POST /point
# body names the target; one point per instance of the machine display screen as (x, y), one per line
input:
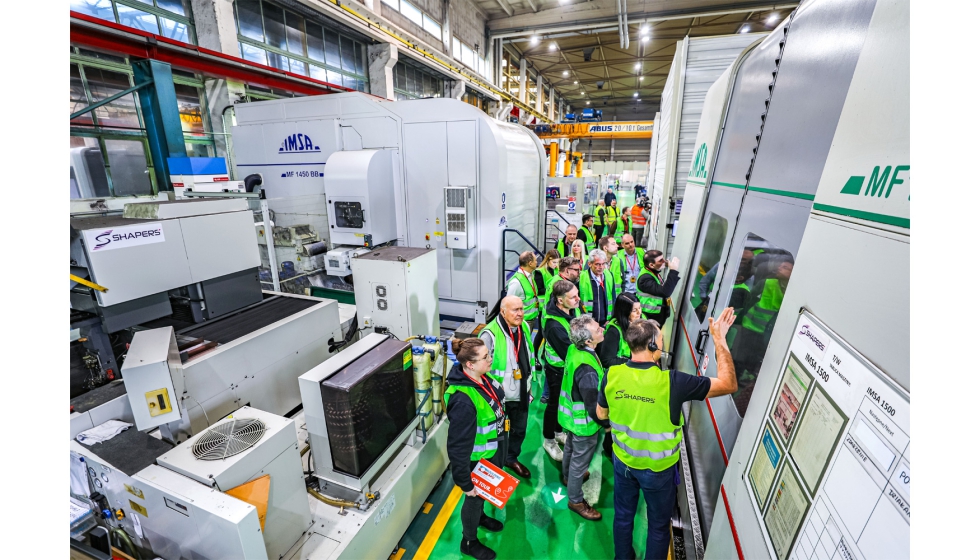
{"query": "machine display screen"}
(367, 404)
(349, 214)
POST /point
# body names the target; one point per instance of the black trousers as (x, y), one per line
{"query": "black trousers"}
(518, 429)
(550, 424)
(473, 506)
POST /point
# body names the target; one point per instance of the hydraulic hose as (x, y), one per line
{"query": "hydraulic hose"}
(332, 501)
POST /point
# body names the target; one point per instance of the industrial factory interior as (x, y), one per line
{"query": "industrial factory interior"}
(516, 279)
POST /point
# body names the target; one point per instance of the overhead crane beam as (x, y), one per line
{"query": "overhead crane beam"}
(607, 130)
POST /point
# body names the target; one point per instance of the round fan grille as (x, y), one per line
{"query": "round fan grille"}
(230, 438)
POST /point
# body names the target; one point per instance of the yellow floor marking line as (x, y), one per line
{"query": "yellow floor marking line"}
(425, 549)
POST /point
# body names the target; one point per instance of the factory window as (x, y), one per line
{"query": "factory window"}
(282, 39)
(431, 26)
(170, 18)
(756, 294)
(413, 82)
(411, 12)
(708, 266)
(110, 155)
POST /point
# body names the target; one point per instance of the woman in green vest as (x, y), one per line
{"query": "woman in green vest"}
(474, 407)
(614, 350)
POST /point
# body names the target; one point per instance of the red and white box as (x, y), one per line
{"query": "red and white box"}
(492, 483)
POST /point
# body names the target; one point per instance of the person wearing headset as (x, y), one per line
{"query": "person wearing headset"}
(643, 406)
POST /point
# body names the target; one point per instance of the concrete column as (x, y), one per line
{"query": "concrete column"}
(522, 82)
(498, 49)
(217, 30)
(539, 98)
(456, 89)
(381, 64)
(503, 114)
(214, 21)
(551, 104)
(561, 109)
(447, 28)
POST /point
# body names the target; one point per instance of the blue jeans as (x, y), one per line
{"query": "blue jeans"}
(659, 491)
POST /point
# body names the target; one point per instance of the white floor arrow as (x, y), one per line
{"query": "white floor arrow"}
(558, 496)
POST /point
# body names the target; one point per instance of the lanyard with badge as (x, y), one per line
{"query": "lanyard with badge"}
(482, 384)
(632, 266)
(517, 351)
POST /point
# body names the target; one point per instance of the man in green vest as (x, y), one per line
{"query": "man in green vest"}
(508, 338)
(585, 232)
(627, 265)
(652, 290)
(569, 268)
(643, 406)
(600, 217)
(613, 227)
(562, 308)
(564, 245)
(577, 411)
(597, 288)
(522, 286)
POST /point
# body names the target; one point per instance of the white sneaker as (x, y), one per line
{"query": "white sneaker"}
(555, 452)
(561, 438)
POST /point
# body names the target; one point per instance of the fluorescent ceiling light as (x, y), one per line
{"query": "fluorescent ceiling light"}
(534, 40)
(636, 94)
(744, 29)
(773, 18)
(565, 73)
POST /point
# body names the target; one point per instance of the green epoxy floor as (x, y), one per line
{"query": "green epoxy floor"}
(534, 526)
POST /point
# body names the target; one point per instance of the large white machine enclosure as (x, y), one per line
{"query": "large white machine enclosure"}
(436, 143)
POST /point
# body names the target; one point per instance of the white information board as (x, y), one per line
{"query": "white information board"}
(831, 466)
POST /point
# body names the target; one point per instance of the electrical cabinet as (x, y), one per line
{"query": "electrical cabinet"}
(396, 287)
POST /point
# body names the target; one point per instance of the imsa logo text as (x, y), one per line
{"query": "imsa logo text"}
(298, 143)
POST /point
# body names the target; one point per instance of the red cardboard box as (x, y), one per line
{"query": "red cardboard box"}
(492, 483)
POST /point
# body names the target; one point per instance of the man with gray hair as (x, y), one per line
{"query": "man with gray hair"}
(597, 288)
(577, 411)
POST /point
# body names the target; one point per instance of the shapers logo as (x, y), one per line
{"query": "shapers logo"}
(126, 236)
(103, 239)
(807, 334)
(621, 394)
(298, 143)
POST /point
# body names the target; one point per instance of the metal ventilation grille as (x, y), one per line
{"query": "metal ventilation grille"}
(230, 438)
(455, 198)
(456, 222)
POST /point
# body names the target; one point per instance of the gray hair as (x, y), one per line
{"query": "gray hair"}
(597, 253)
(579, 333)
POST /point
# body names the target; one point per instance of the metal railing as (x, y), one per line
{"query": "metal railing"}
(506, 273)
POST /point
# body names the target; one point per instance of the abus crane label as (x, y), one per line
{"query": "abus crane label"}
(101, 240)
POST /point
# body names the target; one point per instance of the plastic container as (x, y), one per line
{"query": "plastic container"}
(422, 372)
(433, 349)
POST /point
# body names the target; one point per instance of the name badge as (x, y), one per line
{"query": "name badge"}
(517, 374)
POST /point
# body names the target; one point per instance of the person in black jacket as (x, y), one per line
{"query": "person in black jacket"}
(613, 350)
(467, 390)
(564, 305)
(647, 284)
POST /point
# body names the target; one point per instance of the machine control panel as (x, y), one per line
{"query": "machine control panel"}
(158, 402)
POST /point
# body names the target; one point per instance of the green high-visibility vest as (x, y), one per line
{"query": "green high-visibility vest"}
(585, 291)
(549, 285)
(619, 268)
(639, 414)
(531, 300)
(651, 304)
(624, 349)
(561, 247)
(485, 443)
(611, 215)
(551, 356)
(589, 239)
(758, 317)
(545, 278)
(572, 414)
(499, 364)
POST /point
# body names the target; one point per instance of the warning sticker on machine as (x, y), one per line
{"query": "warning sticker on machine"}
(123, 237)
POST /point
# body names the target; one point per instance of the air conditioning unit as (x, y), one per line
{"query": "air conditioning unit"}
(460, 218)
